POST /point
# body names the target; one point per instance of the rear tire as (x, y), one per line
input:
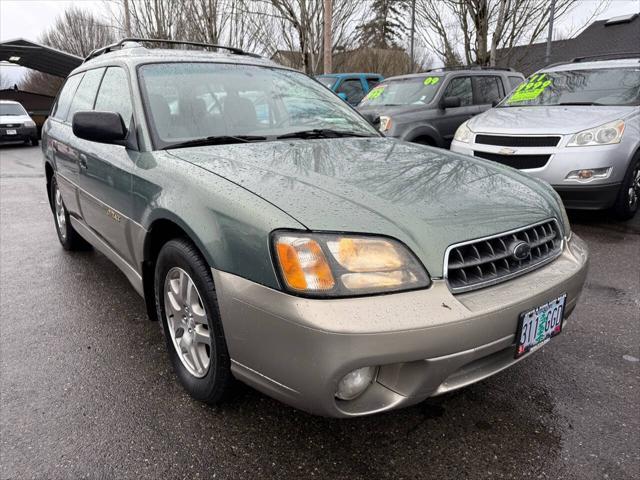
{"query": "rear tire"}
(187, 305)
(628, 199)
(69, 238)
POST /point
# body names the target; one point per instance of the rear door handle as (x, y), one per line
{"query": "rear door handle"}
(83, 160)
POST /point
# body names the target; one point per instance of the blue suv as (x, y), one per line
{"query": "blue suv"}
(351, 87)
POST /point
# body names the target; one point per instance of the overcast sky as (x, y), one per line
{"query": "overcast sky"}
(29, 18)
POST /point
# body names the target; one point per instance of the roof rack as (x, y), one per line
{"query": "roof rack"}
(469, 67)
(612, 56)
(120, 44)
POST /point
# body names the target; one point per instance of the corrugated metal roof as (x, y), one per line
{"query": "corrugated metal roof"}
(38, 57)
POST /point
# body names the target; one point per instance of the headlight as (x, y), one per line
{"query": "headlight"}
(606, 134)
(463, 133)
(29, 123)
(334, 265)
(385, 123)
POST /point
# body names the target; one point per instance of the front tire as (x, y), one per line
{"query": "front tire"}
(69, 238)
(186, 302)
(628, 199)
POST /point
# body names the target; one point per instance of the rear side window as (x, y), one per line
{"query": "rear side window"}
(86, 93)
(373, 81)
(487, 89)
(352, 88)
(114, 95)
(66, 94)
(514, 82)
(460, 87)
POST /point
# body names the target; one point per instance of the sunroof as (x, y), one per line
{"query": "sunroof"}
(621, 19)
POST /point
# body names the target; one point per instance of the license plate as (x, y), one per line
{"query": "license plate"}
(537, 326)
(12, 132)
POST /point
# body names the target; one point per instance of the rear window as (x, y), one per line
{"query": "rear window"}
(328, 82)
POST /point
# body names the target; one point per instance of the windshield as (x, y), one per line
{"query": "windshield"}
(12, 109)
(188, 101)
(328, 82)
(403, 91)
(606, 86)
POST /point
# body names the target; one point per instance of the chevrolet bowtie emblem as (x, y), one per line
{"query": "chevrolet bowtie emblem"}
(507, 151)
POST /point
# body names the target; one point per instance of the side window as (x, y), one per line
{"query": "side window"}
(66, 94)
(373, 81)
(352, 88)
(86, 93)
(114, 95)
(514, 82)
(487, 89)
(460, 87)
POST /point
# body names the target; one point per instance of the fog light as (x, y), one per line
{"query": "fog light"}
(354, 383)
(589, 174)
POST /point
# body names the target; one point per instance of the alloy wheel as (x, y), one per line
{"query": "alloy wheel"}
(187, 321)
(634, 189)
(61, 219)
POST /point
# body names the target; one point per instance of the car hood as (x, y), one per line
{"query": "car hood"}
(14, 118)
(560, 120)
(428, 198)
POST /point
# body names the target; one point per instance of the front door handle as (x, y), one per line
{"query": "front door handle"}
(82, 160)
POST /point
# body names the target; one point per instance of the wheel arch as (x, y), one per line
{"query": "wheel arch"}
(424, 132)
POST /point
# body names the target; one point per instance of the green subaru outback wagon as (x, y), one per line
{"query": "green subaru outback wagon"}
(282, 241)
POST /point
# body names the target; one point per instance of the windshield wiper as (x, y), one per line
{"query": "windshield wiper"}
(322, 133)
(216, 140)
(578, 103)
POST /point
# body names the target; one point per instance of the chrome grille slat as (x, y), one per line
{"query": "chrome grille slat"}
(487, 261)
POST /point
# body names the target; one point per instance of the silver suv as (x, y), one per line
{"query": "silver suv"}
(575, 126)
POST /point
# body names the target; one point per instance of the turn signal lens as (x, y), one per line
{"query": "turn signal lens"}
(324, 264)
(303, 264)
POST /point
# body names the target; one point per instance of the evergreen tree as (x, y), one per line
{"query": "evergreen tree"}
(386, 28)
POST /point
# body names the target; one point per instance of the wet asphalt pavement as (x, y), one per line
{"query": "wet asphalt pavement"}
(87, 390)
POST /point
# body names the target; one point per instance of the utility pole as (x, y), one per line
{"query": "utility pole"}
(127, 19)
(413, 35)
(552, 11)
(327, 37)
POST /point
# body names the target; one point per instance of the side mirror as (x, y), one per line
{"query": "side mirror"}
(451, 102)
(343, 96)
(103, 127)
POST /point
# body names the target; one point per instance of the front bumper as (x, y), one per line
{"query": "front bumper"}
(425, 342)
(592, 194)
(22, 134)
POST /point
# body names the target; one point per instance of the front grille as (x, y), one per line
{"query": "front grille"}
(504, 141)
(10, 125)
(487, 261)
(516, 161)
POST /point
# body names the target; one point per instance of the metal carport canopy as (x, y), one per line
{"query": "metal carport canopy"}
(38, 57)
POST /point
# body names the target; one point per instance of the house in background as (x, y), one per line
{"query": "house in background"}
(613, 36)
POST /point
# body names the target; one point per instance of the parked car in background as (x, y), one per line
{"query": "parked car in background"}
(15, 124)
(304, 254)
(428, 107)
(351, 87)
(574, 125)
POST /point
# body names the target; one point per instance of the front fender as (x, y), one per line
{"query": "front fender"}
(229, 224)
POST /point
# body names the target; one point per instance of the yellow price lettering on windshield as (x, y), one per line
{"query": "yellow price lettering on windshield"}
(375, 93)
(431, 80)
(530, 89)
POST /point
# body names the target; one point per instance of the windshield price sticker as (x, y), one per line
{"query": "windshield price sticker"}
(431, 80)
(531, 89)
(375, 93)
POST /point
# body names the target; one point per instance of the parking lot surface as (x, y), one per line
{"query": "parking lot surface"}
(87, 390)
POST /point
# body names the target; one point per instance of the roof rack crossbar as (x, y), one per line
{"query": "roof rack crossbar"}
(612, 55)
(120, 44)
(469, 67)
